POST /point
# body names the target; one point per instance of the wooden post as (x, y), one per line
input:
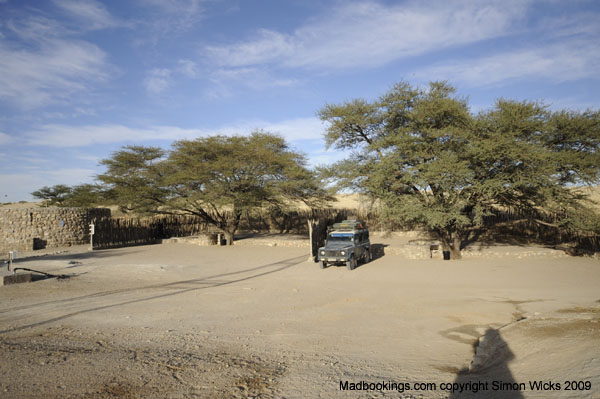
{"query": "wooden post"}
(92, 231)
(11, 255)
(310, 238)
(314, 232)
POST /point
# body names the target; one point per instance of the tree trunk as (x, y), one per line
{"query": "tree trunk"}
(445, 244)
(229, 235)
(451, 242)
(455, 249)
(312, 224)
(231, 227)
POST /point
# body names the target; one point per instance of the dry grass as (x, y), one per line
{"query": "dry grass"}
(20, 205)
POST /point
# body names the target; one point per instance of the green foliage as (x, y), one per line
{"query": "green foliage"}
(435, 164)
(353, 123)
(53, 196)
(217, 178)
(133, 178)
(84, 195)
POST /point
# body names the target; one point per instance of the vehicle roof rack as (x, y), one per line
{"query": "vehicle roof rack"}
(349, 225)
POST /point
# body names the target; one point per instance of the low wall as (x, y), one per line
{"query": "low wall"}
(200, 239)
(31, 229)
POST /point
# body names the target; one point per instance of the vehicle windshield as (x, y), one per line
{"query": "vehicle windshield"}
(340, 238)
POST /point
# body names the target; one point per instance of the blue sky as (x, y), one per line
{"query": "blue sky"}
(81, 78)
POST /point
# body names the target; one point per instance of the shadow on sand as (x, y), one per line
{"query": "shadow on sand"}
(489, 375)
(89, 302)
(378, 251)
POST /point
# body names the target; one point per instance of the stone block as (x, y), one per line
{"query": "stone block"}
(7, 278)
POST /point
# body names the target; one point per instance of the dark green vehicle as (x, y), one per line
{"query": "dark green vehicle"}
(347, 243)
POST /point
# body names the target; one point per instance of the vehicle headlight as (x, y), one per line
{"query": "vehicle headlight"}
(343, 253)
(322, 252)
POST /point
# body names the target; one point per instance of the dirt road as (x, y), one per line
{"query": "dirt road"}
(183, 321)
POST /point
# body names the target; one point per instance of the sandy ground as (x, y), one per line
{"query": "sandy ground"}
(184, 321)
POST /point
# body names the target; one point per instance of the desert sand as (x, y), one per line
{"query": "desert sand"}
(252, 321)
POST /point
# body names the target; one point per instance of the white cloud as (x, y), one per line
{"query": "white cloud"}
(158, 80)
(63, 136)
(572, 24)
(557, 62)
(36, 28)
(253, 78)
(570, 102)
(370, 34)
(173, 16)
(298, 129)
(19, 186)
(47, 68)
(293, 130)
(33, 78)
(4, 138)
(187, 68)
(70, 176)
(35, 171)
(181, 7)
(92, 14)
(267, 47)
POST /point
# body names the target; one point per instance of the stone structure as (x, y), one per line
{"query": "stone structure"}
(200, 239)
(31, 229)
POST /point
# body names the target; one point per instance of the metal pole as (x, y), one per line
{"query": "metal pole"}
(10, 259)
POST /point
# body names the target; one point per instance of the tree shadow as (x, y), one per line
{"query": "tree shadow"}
(97, 253)
(489, 375)
(489, 238)
(178, 287)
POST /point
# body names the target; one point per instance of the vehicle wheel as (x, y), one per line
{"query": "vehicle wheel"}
(322, 264)
(351, 264)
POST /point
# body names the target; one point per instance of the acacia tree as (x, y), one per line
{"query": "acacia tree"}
(216, 178)
(433, 163)
(83, 195)
(55, 195)
(133, 179)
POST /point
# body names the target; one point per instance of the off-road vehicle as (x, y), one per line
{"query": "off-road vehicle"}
(347, 243)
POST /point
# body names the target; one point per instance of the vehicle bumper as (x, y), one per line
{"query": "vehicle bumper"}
(333, 259)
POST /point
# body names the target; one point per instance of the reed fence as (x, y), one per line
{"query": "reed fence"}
(502, 225)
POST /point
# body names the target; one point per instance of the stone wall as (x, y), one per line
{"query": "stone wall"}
(32, 229)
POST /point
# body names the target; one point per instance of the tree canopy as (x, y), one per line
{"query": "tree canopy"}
(434, 163)
(83, 195)
(217, 178)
